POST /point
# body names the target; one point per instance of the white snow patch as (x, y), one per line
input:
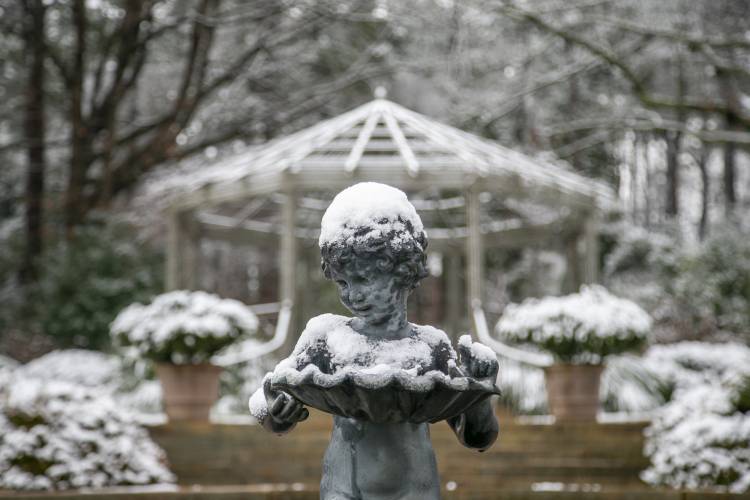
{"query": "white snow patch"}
(369, 210)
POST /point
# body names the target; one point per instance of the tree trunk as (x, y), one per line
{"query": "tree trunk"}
(673, 174)
(705, 190)
(730, 174)
(34, 131)
(78, 158)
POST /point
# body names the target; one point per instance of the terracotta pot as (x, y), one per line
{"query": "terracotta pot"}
(573, 391)
(189, 391)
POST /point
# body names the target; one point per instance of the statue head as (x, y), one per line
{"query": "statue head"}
(373, 246)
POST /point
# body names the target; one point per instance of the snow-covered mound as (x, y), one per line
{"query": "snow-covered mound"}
(371, 210)
(77, 366)
(182, 327)
(582, 327)
(702, 437)
(55, 435)
(700, 440)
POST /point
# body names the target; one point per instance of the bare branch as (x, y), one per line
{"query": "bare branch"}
(614, 60)
(646, 125)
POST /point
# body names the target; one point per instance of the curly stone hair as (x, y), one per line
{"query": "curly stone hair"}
(405, 257)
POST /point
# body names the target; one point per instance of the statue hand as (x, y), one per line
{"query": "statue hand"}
(283, 408)
(480, 368)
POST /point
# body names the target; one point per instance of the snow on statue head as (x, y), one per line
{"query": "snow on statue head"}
(373, 227)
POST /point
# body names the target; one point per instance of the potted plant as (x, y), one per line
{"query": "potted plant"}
(579, 331)
(180, 331)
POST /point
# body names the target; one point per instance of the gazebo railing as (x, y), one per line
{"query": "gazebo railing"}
(251, 349)
(539, 360)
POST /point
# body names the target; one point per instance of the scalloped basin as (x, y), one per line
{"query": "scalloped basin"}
(400, 397)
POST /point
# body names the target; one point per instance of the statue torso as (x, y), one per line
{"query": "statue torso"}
(379, 461)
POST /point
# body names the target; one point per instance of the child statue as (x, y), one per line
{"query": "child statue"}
(381, 377)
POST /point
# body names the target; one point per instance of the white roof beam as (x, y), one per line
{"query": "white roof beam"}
(359, 147)
(412, 165)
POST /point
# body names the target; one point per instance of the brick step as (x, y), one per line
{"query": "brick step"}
(309, 492)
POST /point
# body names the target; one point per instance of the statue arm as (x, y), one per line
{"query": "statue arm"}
(477, 427)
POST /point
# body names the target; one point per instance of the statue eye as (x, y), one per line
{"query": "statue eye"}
(341, 283)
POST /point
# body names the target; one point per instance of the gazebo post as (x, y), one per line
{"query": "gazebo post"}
(591, 249)
(453, 292)
(183, 251)
(572, 265)
(474, 251)
(288, 258)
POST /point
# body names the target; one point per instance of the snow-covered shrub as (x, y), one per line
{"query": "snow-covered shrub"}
(580, 328)
(702, 437)
(78, 366)
(700, 440)
(182, 327)
(55, 435)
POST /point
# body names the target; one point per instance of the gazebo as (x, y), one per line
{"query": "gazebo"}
(473, 194)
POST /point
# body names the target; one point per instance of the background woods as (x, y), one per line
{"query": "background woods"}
(97, 95)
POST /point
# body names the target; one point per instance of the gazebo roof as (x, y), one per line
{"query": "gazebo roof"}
(386, 142)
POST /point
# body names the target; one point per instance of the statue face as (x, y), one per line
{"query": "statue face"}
(370, 294)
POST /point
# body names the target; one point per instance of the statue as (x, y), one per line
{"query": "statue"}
(383, 378)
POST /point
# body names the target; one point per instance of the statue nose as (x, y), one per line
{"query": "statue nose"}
(357, 296)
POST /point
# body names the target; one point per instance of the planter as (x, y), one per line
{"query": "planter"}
(573, 391)
(189, 391)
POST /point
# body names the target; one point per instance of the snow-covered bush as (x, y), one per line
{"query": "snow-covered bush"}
(580, 328)
(182, 327)
(700, 440)
(96, 370)
(77, 366)
(55, 435)
(702, 437)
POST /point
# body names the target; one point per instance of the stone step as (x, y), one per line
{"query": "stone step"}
(309, 492)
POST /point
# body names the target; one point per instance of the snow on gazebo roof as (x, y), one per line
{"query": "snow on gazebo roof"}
(386, 142)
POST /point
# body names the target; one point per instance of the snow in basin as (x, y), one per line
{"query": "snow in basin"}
(416, 362)
(381, 208)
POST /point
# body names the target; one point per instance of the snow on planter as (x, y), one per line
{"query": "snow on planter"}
(55, 435)
(581, 328)
(182, 327)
